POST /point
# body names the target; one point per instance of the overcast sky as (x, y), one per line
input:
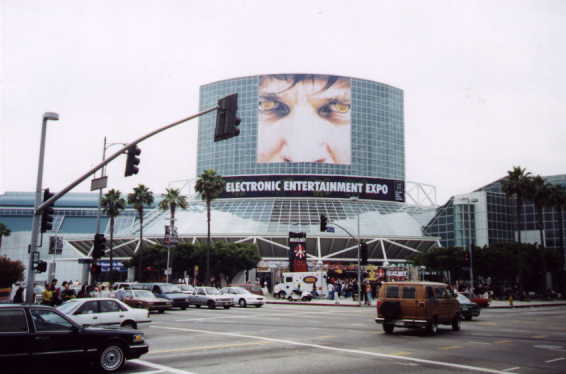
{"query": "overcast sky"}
(484, 81)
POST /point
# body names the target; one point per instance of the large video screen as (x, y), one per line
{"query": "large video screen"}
(304, 118)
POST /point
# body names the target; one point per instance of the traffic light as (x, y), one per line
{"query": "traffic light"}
(47, 213)
(99, 246)
(363, 253)
(323, 222)
(133, 160)
(227, 121)
(41, 267)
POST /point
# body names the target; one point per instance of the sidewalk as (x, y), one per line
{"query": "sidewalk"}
(348, 302)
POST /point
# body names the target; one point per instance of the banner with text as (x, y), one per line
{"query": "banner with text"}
(298, 251)
(329, 186)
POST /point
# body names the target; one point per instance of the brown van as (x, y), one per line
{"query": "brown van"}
(417, 305)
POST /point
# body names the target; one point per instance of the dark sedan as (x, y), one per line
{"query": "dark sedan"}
(41, 332)
(468, 308)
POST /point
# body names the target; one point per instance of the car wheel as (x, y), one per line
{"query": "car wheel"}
(432, 327)
(282, 295)
(468, 317)
(161, 311)
(183, 308)
(211, 305)
(111, 358)
(242, 303)
(456, 323)
(388, 328)
(130, 325)
(258, 305)
(197, 305)
(226, 306)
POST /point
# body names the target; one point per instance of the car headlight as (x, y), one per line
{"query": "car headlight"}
(138, 338)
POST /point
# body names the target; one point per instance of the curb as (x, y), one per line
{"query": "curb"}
(524, 306)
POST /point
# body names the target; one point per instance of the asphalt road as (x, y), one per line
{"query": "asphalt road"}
(318, 339)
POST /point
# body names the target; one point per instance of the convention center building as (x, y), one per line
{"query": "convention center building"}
(309, 145)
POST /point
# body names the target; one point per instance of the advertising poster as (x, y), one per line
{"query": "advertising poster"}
(298, 251)
(304, 118)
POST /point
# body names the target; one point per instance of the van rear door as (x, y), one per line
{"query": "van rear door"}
(409, 302)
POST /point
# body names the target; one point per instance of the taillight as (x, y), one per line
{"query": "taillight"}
(378, 304)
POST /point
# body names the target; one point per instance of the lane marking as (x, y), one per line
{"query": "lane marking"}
(336, 349)
(556, 359)
(268, 316)
(220, 346)
(538, 336)
(449, 347)
(503, 341)
(160, 367)
(400, 353)
(512, 369)
(152, 372)
(476, 342)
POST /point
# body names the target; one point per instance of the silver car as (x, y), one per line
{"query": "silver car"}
(210, 297)
(243, 297)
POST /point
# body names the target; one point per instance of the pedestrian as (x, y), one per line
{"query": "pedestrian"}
(330, 291)
(47, 295)
(368, 294)
(68, 293)
(83, 292)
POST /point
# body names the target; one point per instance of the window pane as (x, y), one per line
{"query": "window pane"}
(13, 321)
(392, 292)
(88, 308)
(409, 292)
(109, 306)
(46, 320)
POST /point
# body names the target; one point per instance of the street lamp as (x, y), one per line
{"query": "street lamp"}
(48, 116)
(357, 199)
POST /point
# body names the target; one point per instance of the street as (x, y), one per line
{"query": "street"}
(328, 339)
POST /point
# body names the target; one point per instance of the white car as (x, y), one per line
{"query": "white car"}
(243, 297)
(102, 312)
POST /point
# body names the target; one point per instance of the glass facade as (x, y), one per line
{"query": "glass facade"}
(378, 145)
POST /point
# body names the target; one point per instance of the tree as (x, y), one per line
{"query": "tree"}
(209, 185)
(10, 271)
(538, 191)
(112, 205)
(172, 198)
(141, 197)
(154, 258)
(450, 259)
(515, 185)
(4, 231)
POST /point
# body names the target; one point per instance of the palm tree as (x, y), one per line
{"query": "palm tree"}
(141, 197)
(209, 185)
(172, 199)
(538, 191)
(515, 185)
(112, 205)
(4, 231)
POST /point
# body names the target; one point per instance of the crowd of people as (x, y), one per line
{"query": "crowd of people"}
(348, 287)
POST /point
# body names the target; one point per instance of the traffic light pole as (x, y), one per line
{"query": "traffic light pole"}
(39, 207)
(37, 212)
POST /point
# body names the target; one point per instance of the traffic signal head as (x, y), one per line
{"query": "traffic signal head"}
(99, 246)
(47, 212)
(227, 121)
(133, 160)
(323, 222)
(41, 267)
(364, 253)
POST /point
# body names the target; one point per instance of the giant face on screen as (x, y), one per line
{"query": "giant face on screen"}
(304, 118)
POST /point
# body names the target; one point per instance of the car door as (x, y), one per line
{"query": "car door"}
(111, 313)
(53, 335)
(15, 339)
(201, 296)
(88, 314)
(443, 307)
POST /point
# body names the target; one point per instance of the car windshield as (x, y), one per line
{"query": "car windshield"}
(463, 299)
(143, 293)
(170, 288)
(67, 307)
(185, 288)
(211, 291)
(240, 291)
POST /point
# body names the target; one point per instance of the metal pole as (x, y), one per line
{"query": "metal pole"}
(37, 213)
(359, 266)
(100, 191)
(470, 246)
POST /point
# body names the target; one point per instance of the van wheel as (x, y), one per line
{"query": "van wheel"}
(211, 305)
(197, 305)
(456, 323)
(432, 327)
(468, 317)
(282, 295)
(161, 311)
(388, 328)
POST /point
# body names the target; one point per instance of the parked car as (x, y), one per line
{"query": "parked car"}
(243, 297)
(97, 312)
(37, 331)
(186, 289)
(124, 285)
(210, 297)
(145, 299)
(166, 291)
(468, 308)
(253, 288)
(480, 300)
(417, 305)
